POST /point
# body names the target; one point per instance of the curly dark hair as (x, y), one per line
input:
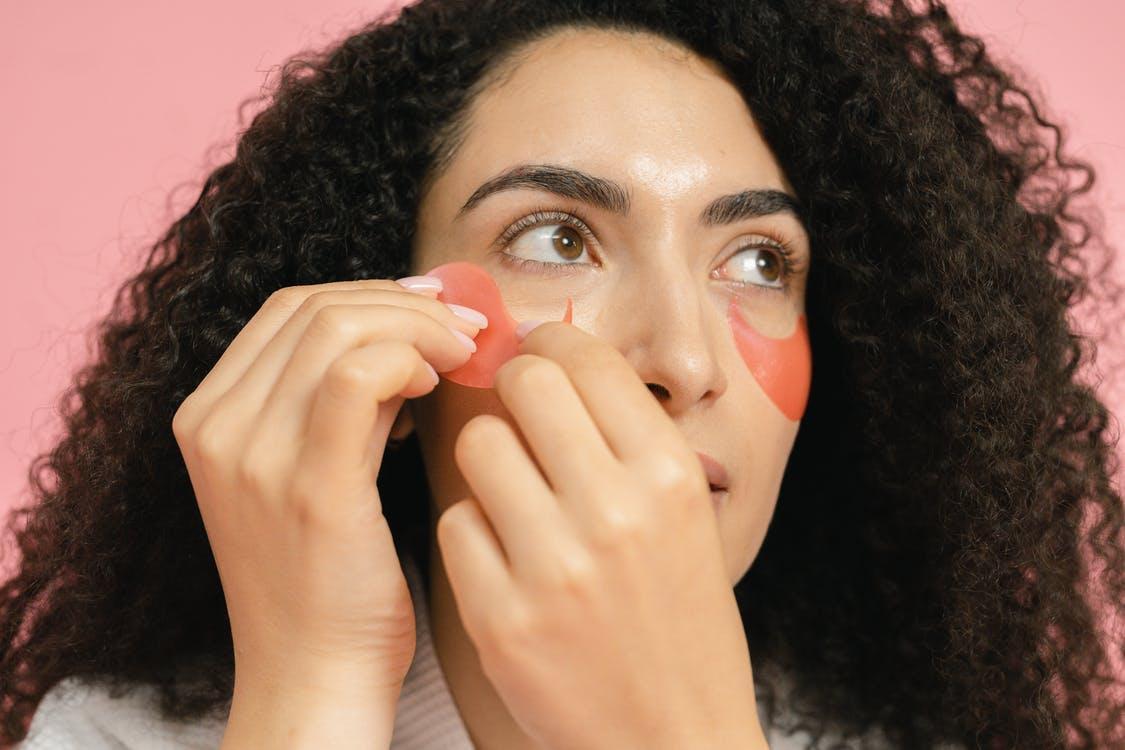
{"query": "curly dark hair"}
(948, 504)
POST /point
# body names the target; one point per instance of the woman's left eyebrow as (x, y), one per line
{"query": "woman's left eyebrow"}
(612, 197)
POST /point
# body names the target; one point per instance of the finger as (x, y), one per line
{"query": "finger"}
(515, 497)
(627, 415)
(264, 344)
(475, 565)
(348, 421)
(564, 439)
(338, 328)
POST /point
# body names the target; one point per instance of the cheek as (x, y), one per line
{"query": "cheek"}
(782, 366)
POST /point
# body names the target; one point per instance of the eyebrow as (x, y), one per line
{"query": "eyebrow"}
(614, 198)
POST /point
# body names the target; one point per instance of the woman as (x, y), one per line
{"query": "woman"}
(689, 176)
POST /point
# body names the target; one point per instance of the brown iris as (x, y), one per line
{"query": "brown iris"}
(765, 264)
(567, 242)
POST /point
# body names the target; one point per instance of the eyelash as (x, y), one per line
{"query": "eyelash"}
(574, 218)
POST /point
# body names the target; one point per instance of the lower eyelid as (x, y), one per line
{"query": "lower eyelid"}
(550, 269)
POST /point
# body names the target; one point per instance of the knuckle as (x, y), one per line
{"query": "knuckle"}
(252, 472)
(572, 573)
(479, 433)
(614, 526)
(287, 298)
(331, 322)
(182, 421)
(451, 516)
(441, 530)
(528, 371)
(671, 477)
(311, 302)
(210, 440)
(348, 375)
(689, 483)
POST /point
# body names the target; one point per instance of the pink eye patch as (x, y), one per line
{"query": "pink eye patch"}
(782, 367)
(468, 284)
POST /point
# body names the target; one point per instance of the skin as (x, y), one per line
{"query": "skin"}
(527, 478)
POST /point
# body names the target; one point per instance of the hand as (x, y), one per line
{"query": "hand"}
(283, 440)
(587, 568)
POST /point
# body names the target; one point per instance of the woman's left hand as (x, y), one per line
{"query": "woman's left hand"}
(587, 568)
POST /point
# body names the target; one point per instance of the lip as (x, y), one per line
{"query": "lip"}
(716, 472)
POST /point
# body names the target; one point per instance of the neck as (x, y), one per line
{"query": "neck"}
(489, 724)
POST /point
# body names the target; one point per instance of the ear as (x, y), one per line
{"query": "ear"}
(403, 425)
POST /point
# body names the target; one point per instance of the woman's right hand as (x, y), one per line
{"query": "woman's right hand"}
(283, 440)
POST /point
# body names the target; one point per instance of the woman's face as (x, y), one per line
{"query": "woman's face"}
(652, 279)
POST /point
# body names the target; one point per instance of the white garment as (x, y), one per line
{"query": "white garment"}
(77, 716)
(74, 715)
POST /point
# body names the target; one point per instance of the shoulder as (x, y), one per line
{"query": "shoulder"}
(78, 714)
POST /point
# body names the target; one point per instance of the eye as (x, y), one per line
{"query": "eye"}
(541, 238)
(771, 261)
(559, 234)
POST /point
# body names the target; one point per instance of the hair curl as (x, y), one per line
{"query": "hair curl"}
(927, 569)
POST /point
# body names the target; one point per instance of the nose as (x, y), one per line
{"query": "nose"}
(664, 324)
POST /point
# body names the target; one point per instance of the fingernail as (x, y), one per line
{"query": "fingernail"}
(472, 345)
(433, 372)
(423, 283)
(525, 328)
(467, 313)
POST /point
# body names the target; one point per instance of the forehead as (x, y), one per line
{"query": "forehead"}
(626, 105)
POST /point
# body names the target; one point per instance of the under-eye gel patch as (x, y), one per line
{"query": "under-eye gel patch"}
(782, 367)
(465, 283)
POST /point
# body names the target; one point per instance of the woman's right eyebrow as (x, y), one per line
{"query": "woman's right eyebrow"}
(612, 197)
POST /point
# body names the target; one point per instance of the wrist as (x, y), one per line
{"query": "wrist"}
(735, 725)
(313, 707)
(745, 737)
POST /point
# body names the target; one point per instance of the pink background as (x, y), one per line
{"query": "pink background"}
(109, 106)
